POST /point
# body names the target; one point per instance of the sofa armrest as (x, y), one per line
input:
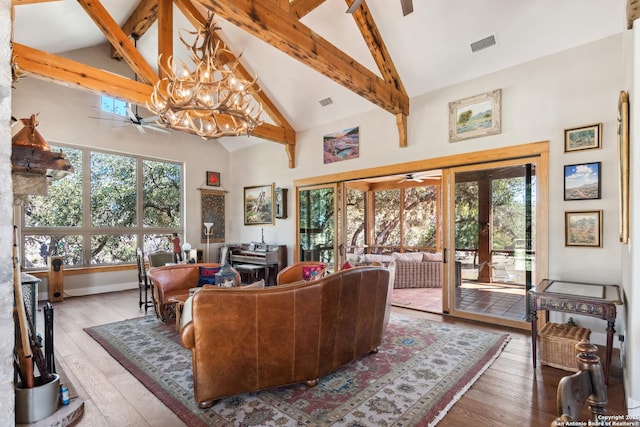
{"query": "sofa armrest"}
(187, 335)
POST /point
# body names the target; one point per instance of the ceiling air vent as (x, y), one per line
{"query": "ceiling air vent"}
(325, 102)
(483, 43)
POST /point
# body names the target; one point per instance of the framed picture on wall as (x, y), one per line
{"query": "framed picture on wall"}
(258, 205)
(623, 164)
(583, 228)
(582, 181)
(475, 116)
(213, 179)
(583, 138)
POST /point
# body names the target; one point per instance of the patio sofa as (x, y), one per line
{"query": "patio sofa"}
(413, 269)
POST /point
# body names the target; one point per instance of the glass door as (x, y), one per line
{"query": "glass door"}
(317, 224)
(493, 213)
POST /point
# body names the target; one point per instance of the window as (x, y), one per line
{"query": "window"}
(384, 217)
(102, 213)
(113, 106)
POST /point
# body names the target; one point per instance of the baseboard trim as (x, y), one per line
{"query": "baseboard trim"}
(92, 290)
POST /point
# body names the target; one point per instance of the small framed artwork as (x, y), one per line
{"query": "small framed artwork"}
(582, 181)
(258, 205)
(583, 138)
(343, 145)
(475, 116)
(213, 179)
(623, 164)
(583, 228)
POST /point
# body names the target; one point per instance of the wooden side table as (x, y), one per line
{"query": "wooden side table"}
(178, 305)
(589, 299)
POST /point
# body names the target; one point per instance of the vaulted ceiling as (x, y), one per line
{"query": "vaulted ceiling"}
(304, 51)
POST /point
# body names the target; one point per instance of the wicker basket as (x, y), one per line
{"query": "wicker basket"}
(557, 345)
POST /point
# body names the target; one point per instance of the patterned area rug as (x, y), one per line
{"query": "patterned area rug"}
(421, 370)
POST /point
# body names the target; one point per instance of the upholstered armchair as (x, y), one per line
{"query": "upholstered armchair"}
(160, 258)
(303, 270)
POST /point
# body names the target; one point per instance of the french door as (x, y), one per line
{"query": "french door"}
(317, 222)
(494, 213)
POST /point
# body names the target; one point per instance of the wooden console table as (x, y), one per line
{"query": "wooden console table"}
(589, 299)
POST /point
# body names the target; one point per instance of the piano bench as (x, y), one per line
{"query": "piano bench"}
(252, 271)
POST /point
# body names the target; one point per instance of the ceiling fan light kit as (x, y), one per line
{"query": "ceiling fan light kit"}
(210, 101)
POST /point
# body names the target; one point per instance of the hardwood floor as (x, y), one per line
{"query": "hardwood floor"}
(509, 393)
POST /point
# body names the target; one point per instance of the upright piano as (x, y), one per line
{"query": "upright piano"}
(272, 257)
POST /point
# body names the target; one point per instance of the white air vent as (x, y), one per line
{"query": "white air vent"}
(325, 102)
(483, 43)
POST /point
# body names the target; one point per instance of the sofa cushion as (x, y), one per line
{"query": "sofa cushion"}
(310, 271)
(407, 256)
(430, 256)
(207, 275)
(346, 266)
(384, 259)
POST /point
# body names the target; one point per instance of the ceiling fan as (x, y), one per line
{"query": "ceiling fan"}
(419, 177)
(148, 123)
(140, 123)
(407, 6)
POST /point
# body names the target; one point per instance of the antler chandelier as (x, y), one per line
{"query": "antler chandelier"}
(210, 101)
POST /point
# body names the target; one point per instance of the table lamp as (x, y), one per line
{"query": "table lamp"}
(207, 232)
(186, 248)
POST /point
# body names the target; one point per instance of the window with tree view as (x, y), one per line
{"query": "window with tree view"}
(99, 223)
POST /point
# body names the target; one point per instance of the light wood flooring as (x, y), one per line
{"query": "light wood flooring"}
(509, 393)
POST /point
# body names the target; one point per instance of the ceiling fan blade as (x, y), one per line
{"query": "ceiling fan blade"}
(156, 128)
(120, 120)
(356, 4)
(134, 118)
(150, 120)
(407, 7)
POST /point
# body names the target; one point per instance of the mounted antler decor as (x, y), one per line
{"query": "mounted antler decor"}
(210, 101)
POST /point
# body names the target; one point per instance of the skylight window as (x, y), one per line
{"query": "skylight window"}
(113, 106)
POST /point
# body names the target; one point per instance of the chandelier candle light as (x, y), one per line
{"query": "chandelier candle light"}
(210, 101)
(207, 232)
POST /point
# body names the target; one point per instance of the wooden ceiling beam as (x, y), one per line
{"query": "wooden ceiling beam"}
(119, 40)
(286, 33)
(165, 35)
(382, 58)
(300, 8)
(142, 18)
(45, 66)
(633, 12)
(21, 2)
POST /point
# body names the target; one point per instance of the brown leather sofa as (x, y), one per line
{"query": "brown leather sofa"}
(175, 281)
(246, 340)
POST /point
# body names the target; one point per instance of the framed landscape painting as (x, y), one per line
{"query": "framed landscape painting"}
(258, 205)
(342, 145)
(582, 181)
(583, 228)
(475, 116)
(583, 138)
